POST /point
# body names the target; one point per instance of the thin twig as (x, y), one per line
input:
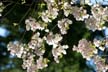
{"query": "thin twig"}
(23, 18)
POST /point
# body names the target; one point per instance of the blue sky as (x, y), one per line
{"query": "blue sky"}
(104, 2)
(4, 32)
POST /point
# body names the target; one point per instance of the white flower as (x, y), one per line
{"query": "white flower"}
(49, 15)
(100, 64)
(32, 24)
(97, 43)
(67, 9)
(102, 48)
(105, 14)
(97, 11)
(64, 25)
(85, 48)
(79, 13)
(28, 61)
(15, 49)
(47, 30)
(37, 45)
(45, 17)
(93, 24)
(49, 38)
(32, 68)
(41, 63)
(58, 51)
(52, 39)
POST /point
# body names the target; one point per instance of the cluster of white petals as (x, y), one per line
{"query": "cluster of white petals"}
(49, 15)
(99, 12)
(16, 48)
(63, 25)
(93, 24)
(53, 39)
(28, 62)
(37, 44)
(90, 51)
(85, 48)
(32, 52)
(41, 62)
(28, 52)
(58, 51)
(98, 18)
(67, 8)
(31, 65)
(31, 24)
(79, 13)
(99, 43)
(100, 64)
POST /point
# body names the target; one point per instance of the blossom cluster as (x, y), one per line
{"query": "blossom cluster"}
(100, 64)
(79, 13)
(85, 48)
(31, 24)
(32, 53)
(91, 51)
(51, 12)
(98, 18)
(63, 25)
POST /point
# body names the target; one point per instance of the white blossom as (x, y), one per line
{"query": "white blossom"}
(41, 63)
(16, 49)
(93, 24)
(37, 44)
(49, 15)
(52, 39)
(85, 48)
(31, 24)
(58, 51)
(100, 64)
(67, 9)
(97, 43)
(79, 13)
(64, 25)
